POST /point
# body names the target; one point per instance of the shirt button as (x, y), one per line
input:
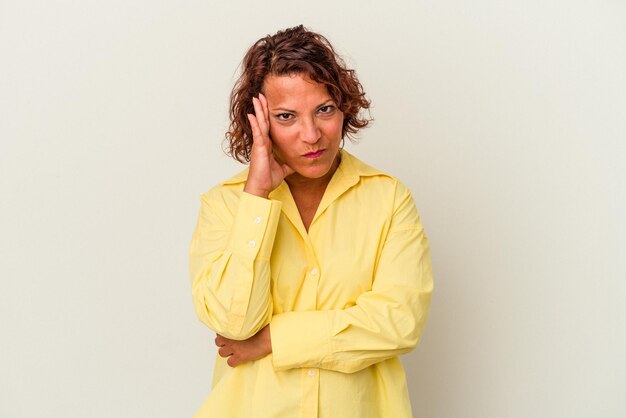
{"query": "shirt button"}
(314, 272)
(311, 372)
(252, 244)
(257, 220)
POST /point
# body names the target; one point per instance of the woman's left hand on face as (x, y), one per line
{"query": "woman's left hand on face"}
(237, 352)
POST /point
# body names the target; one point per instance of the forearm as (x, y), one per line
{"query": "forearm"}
(348, 340)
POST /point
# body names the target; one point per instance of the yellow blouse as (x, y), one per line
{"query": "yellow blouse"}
(343, 300)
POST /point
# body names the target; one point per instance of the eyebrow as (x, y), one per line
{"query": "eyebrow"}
(283, 109)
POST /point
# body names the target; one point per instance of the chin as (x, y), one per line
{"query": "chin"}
(312, 174)
(315, 172)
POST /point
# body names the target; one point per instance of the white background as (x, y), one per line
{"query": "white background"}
(506, 119)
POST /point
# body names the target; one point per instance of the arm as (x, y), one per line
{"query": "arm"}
(229, 262)
(385, 321)
(232, 244)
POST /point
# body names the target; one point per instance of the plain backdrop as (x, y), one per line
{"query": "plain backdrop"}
(505, 118)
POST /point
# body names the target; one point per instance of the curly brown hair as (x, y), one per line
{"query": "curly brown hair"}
(293, 51)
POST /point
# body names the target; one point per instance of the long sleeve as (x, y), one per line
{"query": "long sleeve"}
(385, 321)
(341, 298)
(229, 261)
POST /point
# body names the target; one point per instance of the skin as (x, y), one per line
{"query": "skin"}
(237, 352)
(295, 117)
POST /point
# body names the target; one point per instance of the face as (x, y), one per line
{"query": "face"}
(305, 125)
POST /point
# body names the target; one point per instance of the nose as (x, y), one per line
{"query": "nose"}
(310, 131)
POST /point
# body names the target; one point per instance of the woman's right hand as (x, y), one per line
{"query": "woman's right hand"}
(265, 172)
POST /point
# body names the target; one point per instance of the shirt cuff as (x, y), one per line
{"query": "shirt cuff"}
(254, 226)
(300, 339)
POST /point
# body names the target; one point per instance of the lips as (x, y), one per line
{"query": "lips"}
(315, 154)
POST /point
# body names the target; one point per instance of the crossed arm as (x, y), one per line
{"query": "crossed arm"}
(386, 321)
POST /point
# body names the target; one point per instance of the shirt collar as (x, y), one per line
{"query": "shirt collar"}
(348, 174)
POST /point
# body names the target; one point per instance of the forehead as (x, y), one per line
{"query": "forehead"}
(294, 91)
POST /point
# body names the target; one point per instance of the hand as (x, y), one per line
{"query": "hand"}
(265, 173)
(254, 348)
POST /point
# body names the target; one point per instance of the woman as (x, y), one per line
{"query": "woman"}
(312, 267)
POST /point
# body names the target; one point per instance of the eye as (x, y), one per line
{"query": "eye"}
(283, 116)
(326, 109)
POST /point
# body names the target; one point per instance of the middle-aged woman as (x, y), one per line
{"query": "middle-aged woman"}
(312, 267)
